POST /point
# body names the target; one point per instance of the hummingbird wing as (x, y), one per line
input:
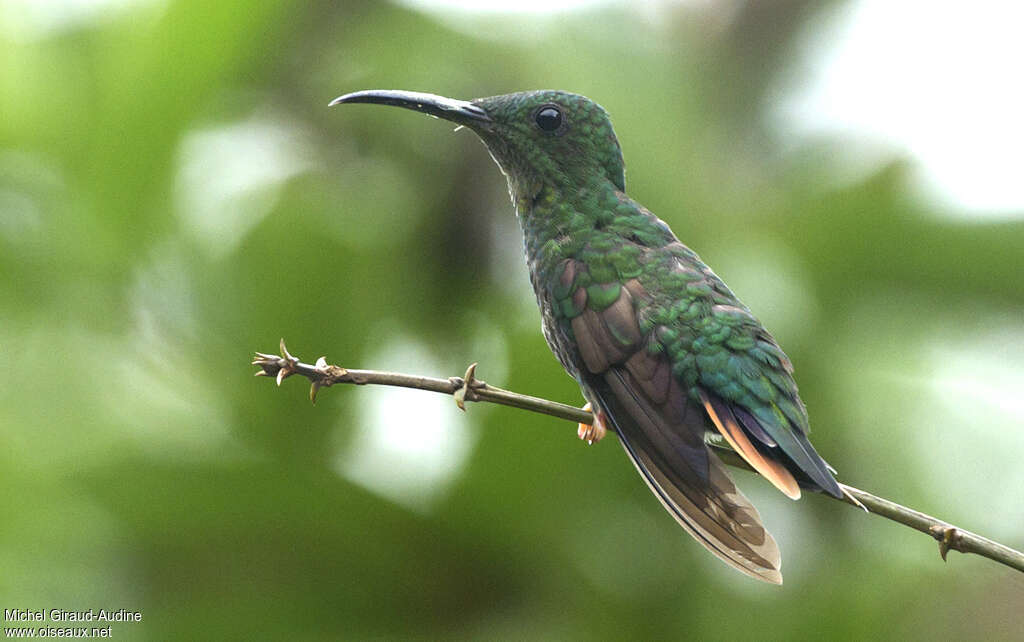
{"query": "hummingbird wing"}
(661, 426)
(716, 348)
(745, 383)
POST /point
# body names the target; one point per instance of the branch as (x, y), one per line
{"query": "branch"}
(469, 388)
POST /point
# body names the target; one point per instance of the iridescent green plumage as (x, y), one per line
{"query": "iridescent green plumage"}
(659, 344)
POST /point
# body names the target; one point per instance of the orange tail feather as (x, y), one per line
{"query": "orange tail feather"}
(770, 469)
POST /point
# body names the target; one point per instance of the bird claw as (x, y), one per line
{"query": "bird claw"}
(948, 537)
(594, 432)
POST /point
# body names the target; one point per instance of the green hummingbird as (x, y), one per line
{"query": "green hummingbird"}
(666, 355)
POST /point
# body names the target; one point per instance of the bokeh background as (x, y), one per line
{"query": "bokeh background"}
(175, 194)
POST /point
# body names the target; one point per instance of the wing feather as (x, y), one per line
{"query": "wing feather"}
(666, 447)
(661, 426)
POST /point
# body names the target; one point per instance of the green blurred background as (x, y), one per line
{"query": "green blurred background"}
(175, 194)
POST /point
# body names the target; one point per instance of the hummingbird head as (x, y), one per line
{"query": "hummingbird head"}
(538, 138)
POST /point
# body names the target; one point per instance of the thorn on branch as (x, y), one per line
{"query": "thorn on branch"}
(316, 384)
(852, 499)
(285, 365)
(948, 537)
(466, 392)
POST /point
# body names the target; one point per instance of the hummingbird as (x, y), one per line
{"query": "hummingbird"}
(666, 355)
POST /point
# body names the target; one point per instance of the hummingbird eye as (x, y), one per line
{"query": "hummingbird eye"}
(549, 118)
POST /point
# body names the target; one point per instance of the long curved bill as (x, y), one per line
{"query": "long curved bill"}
(457, 111)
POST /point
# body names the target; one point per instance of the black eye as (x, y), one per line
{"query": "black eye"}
(549, 118)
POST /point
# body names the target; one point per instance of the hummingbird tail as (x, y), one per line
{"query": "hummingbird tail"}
(772, 470)
(665, 443)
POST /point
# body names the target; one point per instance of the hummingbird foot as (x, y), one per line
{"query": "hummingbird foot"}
(594, 432)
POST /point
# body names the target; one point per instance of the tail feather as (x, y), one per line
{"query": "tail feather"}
(727, 424)
(665, 443)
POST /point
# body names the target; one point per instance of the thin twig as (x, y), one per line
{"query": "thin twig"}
(469, 388)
